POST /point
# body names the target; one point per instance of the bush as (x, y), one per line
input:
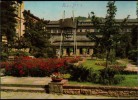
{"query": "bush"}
(78, 73)
(3, 56)
(118, 79)
(133, 55)
(93, 76)
(127, 72)
(5, 64)
(24, 66)
(19, 53)
(107, 76)
(27, 66)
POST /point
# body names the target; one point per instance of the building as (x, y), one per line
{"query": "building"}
(20, 20)
(77, 29)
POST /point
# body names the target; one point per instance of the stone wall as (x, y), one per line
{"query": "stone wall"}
(101, 90)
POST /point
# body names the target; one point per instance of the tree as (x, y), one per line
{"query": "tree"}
(133, 52)
(37, 36)
(108, 29)
(8, 20)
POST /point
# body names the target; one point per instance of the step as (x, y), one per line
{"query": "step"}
(24, 88)
(23, 85)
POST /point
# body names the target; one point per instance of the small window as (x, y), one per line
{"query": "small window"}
(80, 30)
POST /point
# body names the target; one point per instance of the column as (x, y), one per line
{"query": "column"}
(91, 51)
(64, 52)
(78, 52)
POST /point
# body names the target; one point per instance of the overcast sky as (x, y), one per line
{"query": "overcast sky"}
(53, 10)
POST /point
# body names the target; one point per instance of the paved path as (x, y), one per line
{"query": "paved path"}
(27, 95)
(129, 66)
(25, 80)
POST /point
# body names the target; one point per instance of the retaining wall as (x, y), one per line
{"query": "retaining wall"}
(101, 90)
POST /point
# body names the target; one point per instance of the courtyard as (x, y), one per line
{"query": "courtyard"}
(49, 53)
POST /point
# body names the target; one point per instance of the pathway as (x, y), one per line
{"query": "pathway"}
(129, 66)
(28, 95)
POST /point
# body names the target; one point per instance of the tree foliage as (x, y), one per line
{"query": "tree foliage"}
(36, 35)
(108, 29)
(8, 20)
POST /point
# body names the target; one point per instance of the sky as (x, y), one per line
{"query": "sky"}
(53, 10)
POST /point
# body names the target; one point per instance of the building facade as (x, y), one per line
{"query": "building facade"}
(20, 27)
(73, 35)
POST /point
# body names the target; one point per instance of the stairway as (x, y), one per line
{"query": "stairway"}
(24, 88)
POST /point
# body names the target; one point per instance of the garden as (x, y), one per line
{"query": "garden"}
(90, 72)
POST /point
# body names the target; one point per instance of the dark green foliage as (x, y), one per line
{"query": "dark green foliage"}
(3, 56)
(37, 72)
(105, 76)
(19, 53)
(118, 79)
(109, 30)
(37, 37)
(133, 52)
(126, 72)
(93, 76)
(8, 23)
(78, 73)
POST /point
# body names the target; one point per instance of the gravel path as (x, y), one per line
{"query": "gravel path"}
(129, 66)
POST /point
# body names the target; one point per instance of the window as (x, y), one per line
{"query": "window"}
(54, 31)
(96, 30)
(51, 31)
(80, 30)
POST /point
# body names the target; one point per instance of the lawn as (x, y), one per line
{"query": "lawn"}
(91, 63)
(130, 81)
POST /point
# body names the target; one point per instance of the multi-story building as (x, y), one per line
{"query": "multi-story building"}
(20, 20)
(77, 29)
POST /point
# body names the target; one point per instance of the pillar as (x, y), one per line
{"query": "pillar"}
(91, 51)
(64, 52)
(78, 52)
(57, 87)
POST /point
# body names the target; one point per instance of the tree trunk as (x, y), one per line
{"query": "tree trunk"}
(107, 55)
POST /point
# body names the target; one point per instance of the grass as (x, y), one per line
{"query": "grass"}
(130, 81)
(126, 61)
(91, 63)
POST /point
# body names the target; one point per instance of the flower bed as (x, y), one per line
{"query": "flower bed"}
(28, 66)
(117, 66)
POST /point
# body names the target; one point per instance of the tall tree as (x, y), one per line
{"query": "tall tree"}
(36, 35)
(108, 29)
(8, 20)
(133, 52)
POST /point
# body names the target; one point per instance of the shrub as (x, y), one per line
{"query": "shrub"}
(3, 56)
(118, 79)
(93, 76)
(19, 53)
(4, 64)
(78, 73)
(107, 76)
(27, 66)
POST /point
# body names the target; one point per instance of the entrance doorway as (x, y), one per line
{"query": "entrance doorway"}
(81, 51)
(68, 51)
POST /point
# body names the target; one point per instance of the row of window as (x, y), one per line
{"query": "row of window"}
(82, 30)
(85, 23)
